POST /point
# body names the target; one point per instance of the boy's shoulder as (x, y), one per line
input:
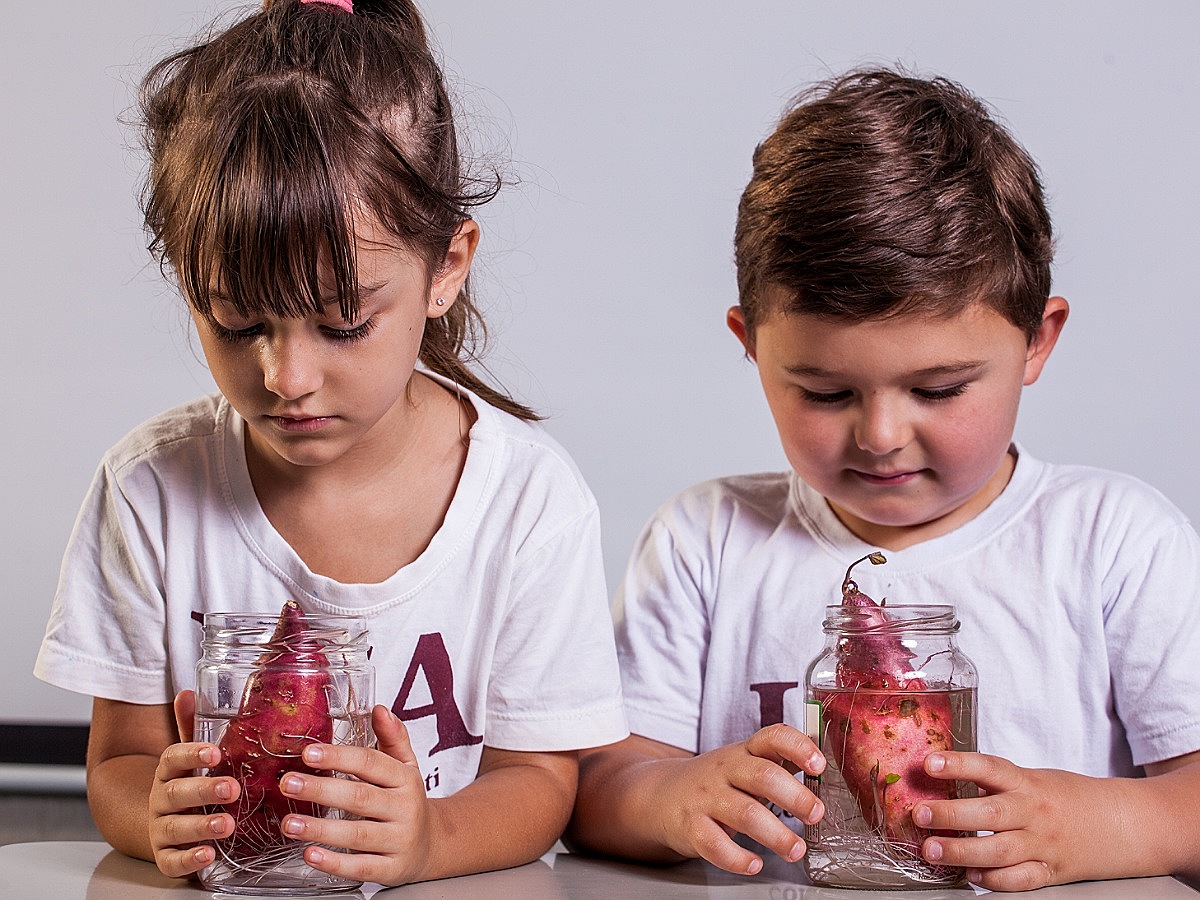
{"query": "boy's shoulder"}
(1094, 490)
(754, 501)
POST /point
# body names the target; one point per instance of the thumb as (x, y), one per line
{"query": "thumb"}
(392, 736)
(185, 714)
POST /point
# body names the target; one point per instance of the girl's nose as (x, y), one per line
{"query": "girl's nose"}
(881, 427)
(291, 367)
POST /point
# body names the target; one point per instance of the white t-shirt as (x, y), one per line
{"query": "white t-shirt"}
(499, 633)
(1078, 591)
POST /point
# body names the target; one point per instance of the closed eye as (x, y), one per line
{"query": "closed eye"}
(823, 397)
(940, 393)
(234, 335)
(357, 333)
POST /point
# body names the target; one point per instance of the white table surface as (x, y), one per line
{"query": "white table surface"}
(85, 870)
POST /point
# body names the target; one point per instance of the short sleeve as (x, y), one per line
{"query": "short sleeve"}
(663, 635)
(554, 683)
(1152, 627)
(106, 632)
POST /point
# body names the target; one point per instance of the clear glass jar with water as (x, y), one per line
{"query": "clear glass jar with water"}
(266, 687)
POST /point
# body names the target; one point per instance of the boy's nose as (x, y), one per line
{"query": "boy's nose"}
(881, 427)
(291, 369)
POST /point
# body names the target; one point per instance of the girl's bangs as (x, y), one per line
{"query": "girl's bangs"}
(268, 224)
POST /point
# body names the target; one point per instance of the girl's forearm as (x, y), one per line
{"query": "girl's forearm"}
(508, 816)
(118, 790)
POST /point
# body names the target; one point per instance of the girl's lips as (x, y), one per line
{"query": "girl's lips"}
(300, 424)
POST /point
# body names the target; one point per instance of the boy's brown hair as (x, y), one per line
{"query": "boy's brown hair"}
(880, 194)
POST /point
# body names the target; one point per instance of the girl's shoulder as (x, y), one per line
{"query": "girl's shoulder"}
(521, 455)
(183, 429)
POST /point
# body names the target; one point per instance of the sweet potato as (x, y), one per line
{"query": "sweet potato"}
(284, 707)
(883, 721)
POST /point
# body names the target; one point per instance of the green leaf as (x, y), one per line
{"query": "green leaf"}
(891, 778)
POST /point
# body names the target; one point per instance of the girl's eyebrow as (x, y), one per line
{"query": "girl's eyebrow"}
(364, 290)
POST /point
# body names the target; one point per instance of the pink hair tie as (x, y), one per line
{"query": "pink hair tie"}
(347, 5)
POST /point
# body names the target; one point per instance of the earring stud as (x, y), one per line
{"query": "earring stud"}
(441, 301)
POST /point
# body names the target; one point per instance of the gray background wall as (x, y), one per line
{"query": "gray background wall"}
(629, 125)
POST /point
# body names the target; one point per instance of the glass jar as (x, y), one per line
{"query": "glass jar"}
(266, 687)
(890, 687)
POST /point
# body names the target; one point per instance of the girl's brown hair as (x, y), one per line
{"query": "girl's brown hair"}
(881, 193)
(267, 140)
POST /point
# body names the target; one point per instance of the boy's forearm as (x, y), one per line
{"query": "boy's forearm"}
(1167, 823)
(118, 792)
(615, 805)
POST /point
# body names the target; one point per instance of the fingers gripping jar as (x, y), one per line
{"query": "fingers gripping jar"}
(265, 689)
(890, 687)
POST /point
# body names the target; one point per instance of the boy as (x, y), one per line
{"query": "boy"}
(893, 252)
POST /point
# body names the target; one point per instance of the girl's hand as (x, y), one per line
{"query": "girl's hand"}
(1049, 826)
(391, 836)
(178, 825)
(702, 801)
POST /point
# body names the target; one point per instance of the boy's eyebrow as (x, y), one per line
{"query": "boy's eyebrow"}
(967, 367)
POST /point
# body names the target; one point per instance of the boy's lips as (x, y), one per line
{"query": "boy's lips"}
(886, 478)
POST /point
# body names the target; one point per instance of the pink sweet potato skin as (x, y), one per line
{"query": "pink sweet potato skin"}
(874, 734)
(882, 723)
(284, 708)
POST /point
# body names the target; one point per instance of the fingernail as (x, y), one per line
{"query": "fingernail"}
(755, 867)
(208, 756)
(815, 814)
(292, 783)
(223, 790)
(202, 855)
(922, 815)
(216, 824)
(313, 754)
(293, 827)
(933, 851)
(935, 762)
(816, 763)
(314, 854)
(796, 852)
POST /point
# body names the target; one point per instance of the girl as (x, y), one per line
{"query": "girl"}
(306, 193)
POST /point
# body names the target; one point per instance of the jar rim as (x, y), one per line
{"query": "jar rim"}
(935, 618)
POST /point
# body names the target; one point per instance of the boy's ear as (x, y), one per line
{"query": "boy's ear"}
(452, 274)
(736, 320)
(1053, 319)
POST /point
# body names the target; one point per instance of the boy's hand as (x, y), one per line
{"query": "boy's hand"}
(700, 802)
(1049, 826)
(177, 822)
(391, 834)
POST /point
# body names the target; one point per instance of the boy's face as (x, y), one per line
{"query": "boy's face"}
(902, 424)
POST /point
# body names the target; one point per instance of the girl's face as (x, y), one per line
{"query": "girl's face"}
(319, 389)
(902, 424)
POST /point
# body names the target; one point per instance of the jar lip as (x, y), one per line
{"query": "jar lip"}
(931, 617)
(242, 631)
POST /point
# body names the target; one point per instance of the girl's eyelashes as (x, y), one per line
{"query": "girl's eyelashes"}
(233, 335)
(824, 397)
(340, 335)
(357, 333)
